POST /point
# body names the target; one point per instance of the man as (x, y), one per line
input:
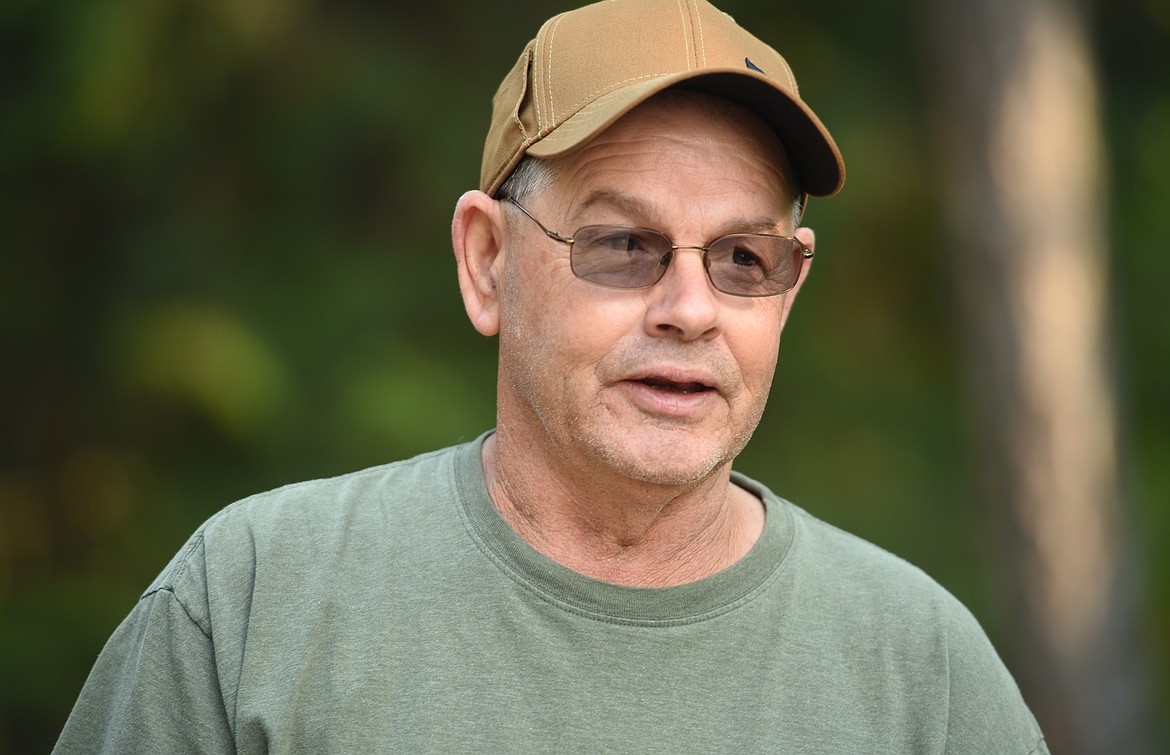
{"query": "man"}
(591, 576)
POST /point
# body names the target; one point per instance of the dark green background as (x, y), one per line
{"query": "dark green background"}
(226, 265)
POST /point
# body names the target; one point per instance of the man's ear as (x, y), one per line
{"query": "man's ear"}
(809, 239)
(477, 235)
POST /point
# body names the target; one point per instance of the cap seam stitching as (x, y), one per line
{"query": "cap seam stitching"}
(682, 17)
(587, 99)
(791, 79)
(700, 40)
(547, 73)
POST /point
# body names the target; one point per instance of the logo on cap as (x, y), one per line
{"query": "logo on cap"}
(753, 66)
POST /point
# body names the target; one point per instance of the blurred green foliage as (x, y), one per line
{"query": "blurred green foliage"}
(225, 265)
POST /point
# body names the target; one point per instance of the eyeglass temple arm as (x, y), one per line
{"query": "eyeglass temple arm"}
(551, 234)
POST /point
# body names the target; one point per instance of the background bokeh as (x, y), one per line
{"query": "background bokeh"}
(225, 265)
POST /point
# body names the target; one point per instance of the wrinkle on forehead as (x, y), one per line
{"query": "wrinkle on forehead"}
(740, 160)
(645, 212)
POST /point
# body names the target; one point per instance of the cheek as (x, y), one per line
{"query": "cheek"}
(556, 323)
(590, 334)
(526, 293)
(756, 349)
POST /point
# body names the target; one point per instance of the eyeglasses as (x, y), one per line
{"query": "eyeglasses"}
(741, 264)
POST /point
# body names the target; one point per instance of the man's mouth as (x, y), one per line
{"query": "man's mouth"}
(672, 386)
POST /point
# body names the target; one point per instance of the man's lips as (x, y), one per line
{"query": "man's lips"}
(675, 380)
(685, 393)
(664, 384)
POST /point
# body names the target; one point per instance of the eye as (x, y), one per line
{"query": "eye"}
(623, 240)
(615, 241)
(744, 257)
(751, 253)
(620, 242)
(620, 256)
(742, 264)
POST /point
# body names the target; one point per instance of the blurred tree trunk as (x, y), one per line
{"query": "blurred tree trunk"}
(1021, 150)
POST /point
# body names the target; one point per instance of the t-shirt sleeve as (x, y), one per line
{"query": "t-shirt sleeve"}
(154, 687)
(986, 711)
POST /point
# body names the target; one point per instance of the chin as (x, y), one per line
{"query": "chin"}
(665, 461)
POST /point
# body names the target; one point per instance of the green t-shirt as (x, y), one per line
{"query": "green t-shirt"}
(394, 610)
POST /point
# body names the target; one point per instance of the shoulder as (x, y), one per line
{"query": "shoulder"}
(306, 527)
(860, 564)
(338, 500)
(856, 597)
(882, 589)
(843, 566)
(841, 585)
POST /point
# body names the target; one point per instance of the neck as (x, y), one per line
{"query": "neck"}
(619, 530)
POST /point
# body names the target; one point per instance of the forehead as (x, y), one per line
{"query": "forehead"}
(682, 149)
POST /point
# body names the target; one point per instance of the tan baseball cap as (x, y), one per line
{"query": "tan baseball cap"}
(588, 67)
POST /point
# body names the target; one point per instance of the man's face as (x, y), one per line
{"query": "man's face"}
(664, 384)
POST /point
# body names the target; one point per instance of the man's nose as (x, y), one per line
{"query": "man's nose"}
(684, 304)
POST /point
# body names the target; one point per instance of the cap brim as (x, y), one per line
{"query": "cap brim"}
(814, 156)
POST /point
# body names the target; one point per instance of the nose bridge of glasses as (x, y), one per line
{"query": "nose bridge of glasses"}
(703, 251)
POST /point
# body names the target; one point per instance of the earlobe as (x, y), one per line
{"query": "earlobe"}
(477, 235)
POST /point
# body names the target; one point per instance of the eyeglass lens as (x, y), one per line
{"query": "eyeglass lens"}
(739, 264)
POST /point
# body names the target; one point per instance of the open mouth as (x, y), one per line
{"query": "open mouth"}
(671, 386)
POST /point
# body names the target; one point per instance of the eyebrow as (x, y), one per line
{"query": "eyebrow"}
(636, 208)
